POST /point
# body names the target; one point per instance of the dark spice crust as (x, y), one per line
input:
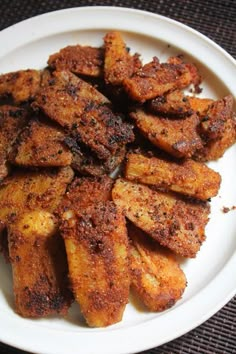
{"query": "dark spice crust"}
(175, 222)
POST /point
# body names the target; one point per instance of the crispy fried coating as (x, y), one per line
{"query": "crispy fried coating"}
(79, 59)
(218, 129)
(155, 79)
(46, 77)
(21, 85)
(193, 74)
(32, 191)
(27, 201)
(199, 105)
(96, 242)
(67, 97)
(156, 276)
(187, 177)
(174, 222)
(118, 63)
(41, 144)
(87, 163)
(178, 137)
(84, 191)
(83, 110)
(12, 120)
(218, 113)
(173, 104)
(39, 265)
(214, 149)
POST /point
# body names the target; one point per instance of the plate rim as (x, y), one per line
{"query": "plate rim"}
(131, 333)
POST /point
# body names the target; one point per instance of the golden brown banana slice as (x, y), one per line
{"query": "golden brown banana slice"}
(178, 137)
(174, 222)
(156, 276)
(27, 201)
(12, 121)
(96, 242)
(21, 85)
(187, 177)
(41, 144)
(84, 112)
(25, 191)
(155, 79)
(199, 105)
(83, 60)
(118, 63)
(173, 104)
(39, 265)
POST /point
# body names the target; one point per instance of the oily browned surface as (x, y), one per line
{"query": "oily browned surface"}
(86, 191)
(27, 201)
(41, 144)
(88, 164)
(199, 105)
(155, 79)
(39, 265)
(187, 177)
(119, 64)
(214, 149)
(84, 113)
(178, 137)
(12, 120)
(25, 191)
(156, 276)
(84, 60)
(218, 23)
(174, 222)
(97, 250)
(67, 97)
(21, 85)
(93, 139)
(218, 114)
(172, 104)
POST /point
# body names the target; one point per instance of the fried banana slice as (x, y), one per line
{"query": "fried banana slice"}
(96, 242)
(218, 113)
(87, 163)
(218, 129)
(32, 191)
(155, 79)
(27, 203)
(156, 276)
(83, 60)
(174, 222)
(118, 63)
(173, 104)
(193, 74)
(12, 120)
(41, 144)
(83, 111)
(214, 149)
(199, 105)
(84, 191)
(21, 85)
(187, 177)
(39, 265)
(178, 137)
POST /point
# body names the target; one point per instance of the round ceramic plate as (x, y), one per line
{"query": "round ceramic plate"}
(210, 276)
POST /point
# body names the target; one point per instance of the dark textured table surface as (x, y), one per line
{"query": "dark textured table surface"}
(217, 20)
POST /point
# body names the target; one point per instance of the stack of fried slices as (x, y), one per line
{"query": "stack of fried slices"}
(69, 229)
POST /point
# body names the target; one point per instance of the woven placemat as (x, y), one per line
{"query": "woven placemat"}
(217, 20)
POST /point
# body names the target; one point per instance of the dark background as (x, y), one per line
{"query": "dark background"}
(217, 20)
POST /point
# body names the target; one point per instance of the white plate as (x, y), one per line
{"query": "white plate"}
(211, 280)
